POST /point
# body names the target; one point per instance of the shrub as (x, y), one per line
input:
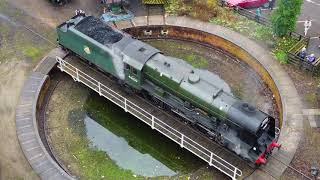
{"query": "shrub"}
(285, 17)
(282, 56)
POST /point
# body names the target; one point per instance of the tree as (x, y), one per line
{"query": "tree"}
(285, 17)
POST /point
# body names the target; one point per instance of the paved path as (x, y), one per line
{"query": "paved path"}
(27, 126)
(313, 116)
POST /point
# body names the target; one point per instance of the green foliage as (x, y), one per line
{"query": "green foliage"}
(282, 57)
(282, 47)
(195, 8)
(95, 164)
(247, 27)
(196, 60)
(284, 18)
(32, 52)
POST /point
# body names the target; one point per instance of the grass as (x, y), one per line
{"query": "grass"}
(196, 61)
(95, 164)
(16, 42)
(281, 48)
(32, 52)
(238, 91)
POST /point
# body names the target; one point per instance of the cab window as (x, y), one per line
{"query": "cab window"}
(127, 67)
(134, 71)
(131, 69)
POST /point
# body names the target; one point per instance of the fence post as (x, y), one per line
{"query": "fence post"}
(125, 105)
(234, 174)
(182, 139)
(152, 122)
(77, 71)
(211, 157)
(60, 63)
(99, 87)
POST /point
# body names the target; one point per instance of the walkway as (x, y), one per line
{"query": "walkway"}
(27, 125)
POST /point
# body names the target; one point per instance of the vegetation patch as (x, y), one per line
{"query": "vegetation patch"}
(32, 52)
(228, 18)
(196, 60)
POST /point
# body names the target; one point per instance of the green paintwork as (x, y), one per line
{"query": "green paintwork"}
(174, 88)
(87, 48)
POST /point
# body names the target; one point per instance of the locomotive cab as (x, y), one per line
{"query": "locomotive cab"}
(132, 76)
(135, 55)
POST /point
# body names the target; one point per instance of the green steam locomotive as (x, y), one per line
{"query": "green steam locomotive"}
(193, 94)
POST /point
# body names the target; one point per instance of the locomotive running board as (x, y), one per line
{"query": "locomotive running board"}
(183, 140)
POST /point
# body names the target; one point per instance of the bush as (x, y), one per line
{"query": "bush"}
(285, 17)
(282, 56)
(203, 10)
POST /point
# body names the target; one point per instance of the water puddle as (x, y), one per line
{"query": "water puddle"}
(124, 155)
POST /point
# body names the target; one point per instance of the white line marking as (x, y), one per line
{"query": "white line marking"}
(32, 148)
(36, 156)
(29, 141)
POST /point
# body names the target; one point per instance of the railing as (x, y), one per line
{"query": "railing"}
(299, 37)
(155, 123)
(244, 12)
(251, 15)
(294, 50)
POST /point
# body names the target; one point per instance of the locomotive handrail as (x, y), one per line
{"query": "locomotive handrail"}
(173, 134)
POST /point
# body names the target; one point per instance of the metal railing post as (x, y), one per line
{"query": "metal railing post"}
(125, 105)
(235, 174)
(182, 139)
(99, 88)
(152, 122)
(211, 157)
(77, 71)
(60, 63)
